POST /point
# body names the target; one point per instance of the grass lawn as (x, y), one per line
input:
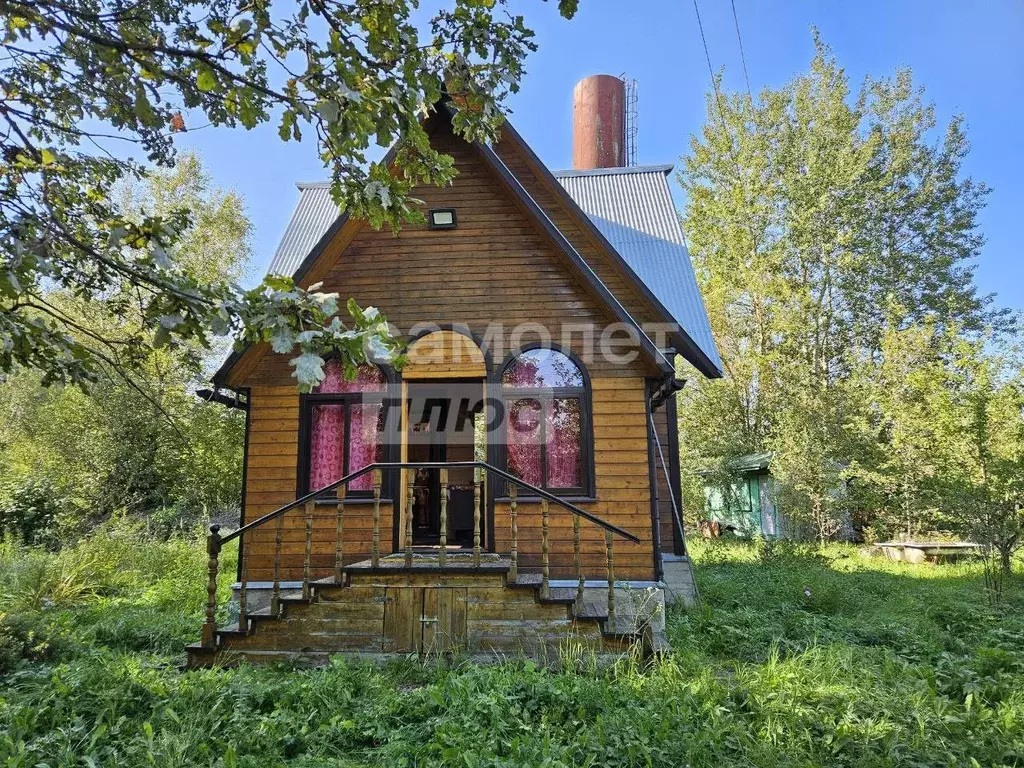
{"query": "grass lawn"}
(883, 664)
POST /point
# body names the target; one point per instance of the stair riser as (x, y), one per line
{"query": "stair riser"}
(496, 580)
(375, 613)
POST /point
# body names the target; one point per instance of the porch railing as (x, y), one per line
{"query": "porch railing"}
(215, 542)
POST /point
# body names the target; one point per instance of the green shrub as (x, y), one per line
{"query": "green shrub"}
(34, 510)
(30, 638)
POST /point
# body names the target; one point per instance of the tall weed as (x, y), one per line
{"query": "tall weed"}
(881, 664)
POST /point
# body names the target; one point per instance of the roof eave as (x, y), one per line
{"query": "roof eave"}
(685, 344)
(516, 188)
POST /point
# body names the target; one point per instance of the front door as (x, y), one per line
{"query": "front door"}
(445, 424)
(424, 619)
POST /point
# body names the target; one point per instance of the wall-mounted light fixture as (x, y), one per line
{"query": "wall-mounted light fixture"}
(442, 218)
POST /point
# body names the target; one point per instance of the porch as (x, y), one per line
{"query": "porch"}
(432, 599)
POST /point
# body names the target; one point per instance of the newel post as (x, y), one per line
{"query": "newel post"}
(209, 636)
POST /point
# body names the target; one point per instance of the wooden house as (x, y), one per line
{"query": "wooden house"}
(515, 486)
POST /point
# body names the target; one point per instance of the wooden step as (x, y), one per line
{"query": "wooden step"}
(499, 616)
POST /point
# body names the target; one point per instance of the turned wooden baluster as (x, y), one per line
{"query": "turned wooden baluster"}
(442, 553)
(476, 518)
(310, 505)
(243, 597)
(209, 636)
(375, 551)
(545, 585)
(275, 592)
(339, 542)
(408, 519)
(611, 580)
(513, 571)
(577, 562)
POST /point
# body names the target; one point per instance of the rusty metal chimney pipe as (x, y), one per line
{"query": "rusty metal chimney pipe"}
(599, 123)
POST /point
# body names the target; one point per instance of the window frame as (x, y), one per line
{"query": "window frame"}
(309, 401)
(545, 396)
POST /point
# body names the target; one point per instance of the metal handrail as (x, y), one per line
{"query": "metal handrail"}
(383, 465)
(676, 517)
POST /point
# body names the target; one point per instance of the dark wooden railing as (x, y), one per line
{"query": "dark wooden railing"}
(216, 542)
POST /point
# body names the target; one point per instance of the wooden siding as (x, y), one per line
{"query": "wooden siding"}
(585, 245)
(272, 482)
(496, 266)
(623, 494)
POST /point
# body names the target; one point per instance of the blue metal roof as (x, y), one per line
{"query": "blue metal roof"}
(313, 216)
(632, 207)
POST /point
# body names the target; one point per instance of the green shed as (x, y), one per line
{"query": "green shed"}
(747, 507)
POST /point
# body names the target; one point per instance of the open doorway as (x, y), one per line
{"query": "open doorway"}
(434, 437)
(426, 517)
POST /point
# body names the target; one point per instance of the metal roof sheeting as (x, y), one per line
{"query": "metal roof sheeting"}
(632, 207)
(313, 216)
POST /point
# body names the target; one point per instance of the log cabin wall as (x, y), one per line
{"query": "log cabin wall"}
(494, 267)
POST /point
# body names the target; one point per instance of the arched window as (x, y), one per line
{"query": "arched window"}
(547, 411)
(344, 431)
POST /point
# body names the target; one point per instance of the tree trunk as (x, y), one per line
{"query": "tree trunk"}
(1005, 559)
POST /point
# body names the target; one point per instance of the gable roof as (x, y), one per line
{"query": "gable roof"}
(632, 207)
(316, 220)
(584, 270)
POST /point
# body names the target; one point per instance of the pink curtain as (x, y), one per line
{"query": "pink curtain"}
(364, 443)
(545, 370)
(565, 443)
(523, 439)
(369, 378)
(327, 433)
(327, 445)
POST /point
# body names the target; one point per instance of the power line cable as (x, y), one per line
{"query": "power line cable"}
(711, 69)
(743, 58)
(721, 115)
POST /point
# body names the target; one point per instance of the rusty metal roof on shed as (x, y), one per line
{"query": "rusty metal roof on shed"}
(632, 207)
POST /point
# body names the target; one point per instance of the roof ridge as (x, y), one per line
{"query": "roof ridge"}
(654, 168)
(657, 168)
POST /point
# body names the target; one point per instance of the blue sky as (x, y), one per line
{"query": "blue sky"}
(968, 57)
